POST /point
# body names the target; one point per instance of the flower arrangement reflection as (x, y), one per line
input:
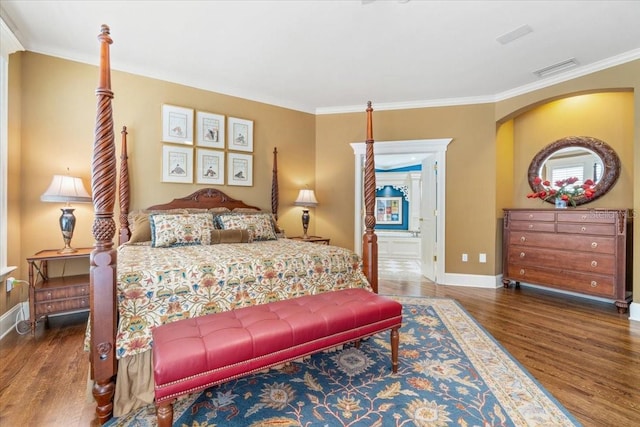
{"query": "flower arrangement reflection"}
(566, 190)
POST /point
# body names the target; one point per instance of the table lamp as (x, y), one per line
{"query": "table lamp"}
(66, 189)
(306, 198)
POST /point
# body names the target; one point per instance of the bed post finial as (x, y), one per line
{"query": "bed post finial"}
(370, 239)
(103, 257)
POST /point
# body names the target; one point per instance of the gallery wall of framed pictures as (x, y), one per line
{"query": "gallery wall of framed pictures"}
(199, 150)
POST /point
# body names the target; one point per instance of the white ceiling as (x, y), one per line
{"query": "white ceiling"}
(334, 56)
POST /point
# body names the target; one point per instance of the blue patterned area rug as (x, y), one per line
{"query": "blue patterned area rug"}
(452, 372)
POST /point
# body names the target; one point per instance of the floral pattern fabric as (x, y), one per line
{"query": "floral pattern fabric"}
(161, 285)
(180, 229)
(259, 224)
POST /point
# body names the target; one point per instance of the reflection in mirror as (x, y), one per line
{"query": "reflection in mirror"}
(573, 161)
(583, 157)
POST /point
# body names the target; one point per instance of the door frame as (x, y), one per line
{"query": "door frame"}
(435, 146)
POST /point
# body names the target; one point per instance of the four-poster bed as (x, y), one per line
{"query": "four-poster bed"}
(155, 279)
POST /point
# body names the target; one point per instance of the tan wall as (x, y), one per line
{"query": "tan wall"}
(57, 124)
(54, 129)
(471, 174)
(606, 116)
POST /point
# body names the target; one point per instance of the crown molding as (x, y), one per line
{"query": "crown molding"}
(8, 41)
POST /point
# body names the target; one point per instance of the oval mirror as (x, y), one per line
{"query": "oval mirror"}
(582, 156)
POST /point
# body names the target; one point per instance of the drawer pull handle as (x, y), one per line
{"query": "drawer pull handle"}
(530, 215)
(522, 271)
(594, 264)
(583, 229)
(594, 283)
(594, 245)
(584, 217)
(522, 239)
(530, 226)
(521, 254)
(48, 294)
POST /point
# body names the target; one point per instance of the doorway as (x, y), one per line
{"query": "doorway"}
(432, 154)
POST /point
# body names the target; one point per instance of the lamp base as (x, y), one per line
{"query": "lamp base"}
(67, 250)
(305, 223)
(67, 224)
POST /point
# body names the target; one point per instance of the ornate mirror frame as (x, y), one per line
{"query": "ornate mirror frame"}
(610, 162)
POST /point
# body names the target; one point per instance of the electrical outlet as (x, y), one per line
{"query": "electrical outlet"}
(10, 282)
(465, 257)
(482, 258)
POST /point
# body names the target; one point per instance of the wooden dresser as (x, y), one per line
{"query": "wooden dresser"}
(586, 251)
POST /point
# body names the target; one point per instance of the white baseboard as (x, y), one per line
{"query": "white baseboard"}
(8, 320)
(474, 280)
(634, 311)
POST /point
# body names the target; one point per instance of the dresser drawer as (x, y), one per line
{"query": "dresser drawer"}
(599, 244)
(555, 258)
(59, 306)
(533, 226)
(600, 229)
(591, 284)
(543, 215)
(594, 216)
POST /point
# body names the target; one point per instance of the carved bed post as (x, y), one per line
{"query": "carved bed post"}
(274, 184)
(103, 257)
(123, 190)
(370, 239)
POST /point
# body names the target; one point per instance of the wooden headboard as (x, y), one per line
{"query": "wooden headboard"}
(206, 198)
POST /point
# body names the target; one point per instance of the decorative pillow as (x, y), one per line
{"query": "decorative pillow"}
(230, 236)
(180, 230)
(259, 224)
(251, 211)
(139, 224)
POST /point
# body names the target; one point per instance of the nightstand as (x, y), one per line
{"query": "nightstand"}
(55, 295)
(312, 239)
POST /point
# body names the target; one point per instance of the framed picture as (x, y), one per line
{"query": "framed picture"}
(209, 166)
(240, 134)
(177, 124)
(240, 169)
(177, 164)
(389, 210)
(210, 130)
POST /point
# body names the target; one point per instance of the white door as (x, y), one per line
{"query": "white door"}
(428, 217)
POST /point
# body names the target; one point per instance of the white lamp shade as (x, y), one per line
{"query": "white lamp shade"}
(306, 198)
(66, 189)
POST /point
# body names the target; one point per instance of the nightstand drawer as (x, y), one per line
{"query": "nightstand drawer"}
(67, 287)
(62, 306)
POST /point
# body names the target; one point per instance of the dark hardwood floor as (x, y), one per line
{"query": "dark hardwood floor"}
(583, 352)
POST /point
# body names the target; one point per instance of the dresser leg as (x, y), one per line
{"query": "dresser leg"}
(623, 306)
(507, 282)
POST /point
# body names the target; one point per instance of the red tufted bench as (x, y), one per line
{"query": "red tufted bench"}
(193, 354)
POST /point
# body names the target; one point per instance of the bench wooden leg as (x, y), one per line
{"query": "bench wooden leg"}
(395, 341)
(164, 413)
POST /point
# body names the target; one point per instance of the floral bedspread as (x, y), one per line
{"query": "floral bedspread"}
(161, 285)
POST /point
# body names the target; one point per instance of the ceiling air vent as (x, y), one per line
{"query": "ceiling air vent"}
(556, 68)
(515, 34)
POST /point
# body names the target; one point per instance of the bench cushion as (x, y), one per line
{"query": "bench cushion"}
(193, 354)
